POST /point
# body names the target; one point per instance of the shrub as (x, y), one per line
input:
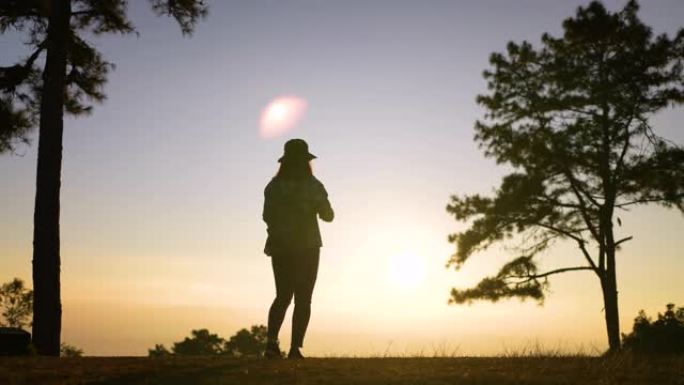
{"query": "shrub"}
(245, 343)
(70, 351)
(202, 343)
(663, 336)
(158, 351)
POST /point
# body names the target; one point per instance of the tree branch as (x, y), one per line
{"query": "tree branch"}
(623, 240)
(645, 200)
(83, 13)
(625, 147)
(528, 278)
(583, 206)
(574, 184)
(560, 231)
(12, 77)
(587, 256)
(558, 203)
(34, 56)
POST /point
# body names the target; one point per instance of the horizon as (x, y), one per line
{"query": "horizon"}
(163, 184)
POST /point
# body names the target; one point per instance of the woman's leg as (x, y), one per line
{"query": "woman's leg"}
(285, 288)
(307, 270)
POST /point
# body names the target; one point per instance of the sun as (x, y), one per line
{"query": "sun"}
(407, 269)
(281, 115)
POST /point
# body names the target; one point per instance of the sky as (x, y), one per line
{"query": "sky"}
(162, 187)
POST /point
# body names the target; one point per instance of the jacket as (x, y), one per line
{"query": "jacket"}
(291, 208)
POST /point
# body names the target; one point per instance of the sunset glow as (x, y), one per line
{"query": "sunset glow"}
(407, 270)
(281, 115)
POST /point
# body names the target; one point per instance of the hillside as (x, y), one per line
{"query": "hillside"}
(624, 370)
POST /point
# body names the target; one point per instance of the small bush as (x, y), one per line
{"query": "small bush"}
(159, 351)
(70, 351)
(663, 336)
(202, 343)
(245, 343)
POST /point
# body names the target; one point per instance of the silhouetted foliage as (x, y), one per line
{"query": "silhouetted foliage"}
(71, 80)
(571, 118)
(247, 342)
(201, 343)
(69, 351)
(86, 69)
(16, 302)
(663, 336)
(158, 351)
(244, 343)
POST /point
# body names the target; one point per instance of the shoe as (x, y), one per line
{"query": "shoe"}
(295, 354)
(273, 351)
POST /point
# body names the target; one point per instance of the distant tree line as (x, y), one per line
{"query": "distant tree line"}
(16, 310)
(662, 336)
(245, 343)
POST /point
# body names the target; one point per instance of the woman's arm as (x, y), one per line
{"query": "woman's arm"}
(325, 211)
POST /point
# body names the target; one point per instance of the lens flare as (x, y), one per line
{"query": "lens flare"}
(281, 115)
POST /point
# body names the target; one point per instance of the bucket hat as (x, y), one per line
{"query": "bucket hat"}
(296, 149)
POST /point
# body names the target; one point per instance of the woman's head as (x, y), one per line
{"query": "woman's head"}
(294, 170)
(296, 149)
(295, 162)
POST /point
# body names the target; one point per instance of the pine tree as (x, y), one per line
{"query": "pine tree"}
(70, 81)
(571, 118)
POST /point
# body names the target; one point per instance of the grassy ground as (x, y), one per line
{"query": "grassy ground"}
(624, 370)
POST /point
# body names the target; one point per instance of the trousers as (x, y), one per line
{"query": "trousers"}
(295, 274)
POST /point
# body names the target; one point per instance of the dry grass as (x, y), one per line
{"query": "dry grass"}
(511, 369)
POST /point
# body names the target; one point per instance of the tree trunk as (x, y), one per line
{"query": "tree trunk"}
(47, 307)
(610, 301)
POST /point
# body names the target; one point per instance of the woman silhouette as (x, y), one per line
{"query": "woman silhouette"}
(292, 201)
